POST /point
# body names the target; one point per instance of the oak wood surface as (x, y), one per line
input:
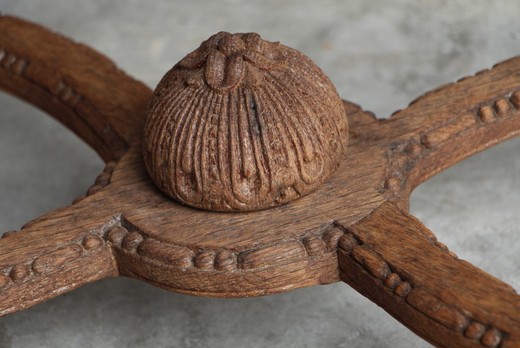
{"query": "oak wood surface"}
(418, 281)
(354, 228)
(78, 86)
(243, 124)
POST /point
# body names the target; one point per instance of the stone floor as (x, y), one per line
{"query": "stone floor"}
(379, 54)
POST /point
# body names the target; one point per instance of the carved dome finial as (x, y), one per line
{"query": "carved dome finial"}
(243, 124)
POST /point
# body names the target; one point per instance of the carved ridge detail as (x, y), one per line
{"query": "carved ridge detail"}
(52, 261)
(123, 236)
(127, 238)
(65, 93)
(225, 59)
(233, 128)
(12, 63)
(403, 155)
(418, 297)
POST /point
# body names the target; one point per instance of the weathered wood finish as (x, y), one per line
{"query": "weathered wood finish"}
(353, 228)
(418, 280)
(454, 121)
(73, 83)
(243, 124)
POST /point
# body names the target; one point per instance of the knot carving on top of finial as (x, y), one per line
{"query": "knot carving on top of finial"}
(225, 60)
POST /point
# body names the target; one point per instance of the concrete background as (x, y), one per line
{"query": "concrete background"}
(379, 54)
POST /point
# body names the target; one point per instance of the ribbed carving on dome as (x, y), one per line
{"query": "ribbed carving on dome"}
(243, 124)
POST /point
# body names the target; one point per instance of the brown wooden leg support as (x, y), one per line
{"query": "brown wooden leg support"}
(394, 260)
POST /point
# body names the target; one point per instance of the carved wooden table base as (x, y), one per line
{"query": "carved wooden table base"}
(354, 228)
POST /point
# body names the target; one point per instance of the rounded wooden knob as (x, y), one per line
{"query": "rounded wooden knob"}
(243, 124)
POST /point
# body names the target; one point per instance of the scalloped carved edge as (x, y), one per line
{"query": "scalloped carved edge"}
(417, 297)
(12, 63)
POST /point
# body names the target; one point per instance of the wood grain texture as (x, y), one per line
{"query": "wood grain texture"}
(78, 86)
(449, 124)
(240, 254)
(55, 254)
(447, 301)
(354, 227)
(188, 250)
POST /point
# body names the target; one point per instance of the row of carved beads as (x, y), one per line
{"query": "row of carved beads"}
(50, 262)
(12, 63)
(170, 254)
(101, 181)
(131, 240)
(418, 298)
(403, 155)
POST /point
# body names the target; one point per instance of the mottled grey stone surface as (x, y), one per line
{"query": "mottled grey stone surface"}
(379, 54)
